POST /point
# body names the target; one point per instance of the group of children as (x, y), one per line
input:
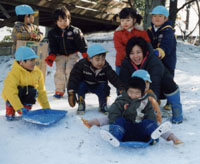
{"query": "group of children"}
(132, 115)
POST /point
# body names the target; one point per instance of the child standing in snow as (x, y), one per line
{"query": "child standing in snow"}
(92, 75)
(163, 40)
(24, 84)
(129, 27)
(132, 118)
(24, 29)
(169, 136)
(65, 41)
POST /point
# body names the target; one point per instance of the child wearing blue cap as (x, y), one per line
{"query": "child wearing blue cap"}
(92, 75)
(161, 34)
(24, 29)
(24, 84)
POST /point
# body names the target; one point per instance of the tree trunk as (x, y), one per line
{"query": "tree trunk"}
(173, 11)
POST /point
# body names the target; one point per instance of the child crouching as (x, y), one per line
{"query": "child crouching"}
(92, 75)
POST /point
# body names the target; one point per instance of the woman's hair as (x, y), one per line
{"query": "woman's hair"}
(130, 12)
(62, 12)
(137, 41)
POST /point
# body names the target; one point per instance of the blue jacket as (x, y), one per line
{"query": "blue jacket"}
(164, 38)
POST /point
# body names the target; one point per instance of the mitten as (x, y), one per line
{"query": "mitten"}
(84, 55)
(159, 53)
(72, 98)
(50, 59)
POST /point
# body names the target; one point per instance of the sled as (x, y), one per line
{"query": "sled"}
(44, 117)
(136, 144)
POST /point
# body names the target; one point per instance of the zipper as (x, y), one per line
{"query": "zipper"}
(63, 34)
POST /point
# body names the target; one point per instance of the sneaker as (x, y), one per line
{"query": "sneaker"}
(107, 136)
(81, 106)
(163, 128)
(58, 95)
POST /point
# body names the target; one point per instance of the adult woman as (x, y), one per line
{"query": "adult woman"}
(139, 55)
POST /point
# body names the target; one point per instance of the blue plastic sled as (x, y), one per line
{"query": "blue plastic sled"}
(136, 144)
(44, 117)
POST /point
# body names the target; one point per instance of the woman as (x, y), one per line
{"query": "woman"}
(140, 56)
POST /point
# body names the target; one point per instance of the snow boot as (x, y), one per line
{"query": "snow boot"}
(103, 106)
(168, 106)
(58, 95)
(107, 136)
(174, 100)
(163, 128)
(10, 112)
(81, 105)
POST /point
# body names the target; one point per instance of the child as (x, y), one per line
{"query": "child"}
(92, 75)
(129, 27)
(24, 29)
(162, 37)
(65, 41)
(132, 118)
(169, 136)
(139, 56)
(24, 84)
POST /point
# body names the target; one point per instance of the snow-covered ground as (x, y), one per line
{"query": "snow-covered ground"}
(68, 141)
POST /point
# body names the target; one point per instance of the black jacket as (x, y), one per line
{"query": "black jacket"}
(65, 42)
(152, 64)
(83, 71)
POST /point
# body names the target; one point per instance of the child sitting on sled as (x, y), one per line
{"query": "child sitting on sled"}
(92, 75)
(143, 74)
(24, 84)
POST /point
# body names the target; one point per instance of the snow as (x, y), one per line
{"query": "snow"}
(69, 141)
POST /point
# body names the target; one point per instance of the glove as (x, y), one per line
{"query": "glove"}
(84, 55)
(72, 98)
(50, 59)
(46, 110)
(22, 111)
(159, 53)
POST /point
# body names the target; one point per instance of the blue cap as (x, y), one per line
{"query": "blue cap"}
(25, 53)
(96, 49)
(160, 10)
(143, 74)
(24, 10)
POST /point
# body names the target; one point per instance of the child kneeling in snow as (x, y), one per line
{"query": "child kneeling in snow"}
(92, 75)
(24, 84)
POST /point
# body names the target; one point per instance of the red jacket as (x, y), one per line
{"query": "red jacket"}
(121, 37)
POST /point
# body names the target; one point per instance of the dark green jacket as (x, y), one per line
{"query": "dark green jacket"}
(136, 110)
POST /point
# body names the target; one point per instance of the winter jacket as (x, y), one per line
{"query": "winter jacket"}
(18, 76)
(67, 41)
(84, 71)
(164, 38)
(133, 110)
(121, 37)
(22, 32)
(151, 64)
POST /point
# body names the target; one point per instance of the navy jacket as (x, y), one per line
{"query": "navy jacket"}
(83, 71)
(164, 38)
(68, 41)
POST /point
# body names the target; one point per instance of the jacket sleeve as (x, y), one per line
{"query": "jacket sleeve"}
(119, 47)
(10, 90)
(113, 78)
(42, 95)
(76, 76)
(125, 72)
(149, 112)
(53, 45)
(19, 34)
(80, 41)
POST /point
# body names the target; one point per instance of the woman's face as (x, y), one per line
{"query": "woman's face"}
(136, 55)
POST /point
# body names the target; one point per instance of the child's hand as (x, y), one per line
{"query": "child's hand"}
(22, 111)
(50, 59)
(159, 53)
(72, 98)
(126, 106)
(33, 35)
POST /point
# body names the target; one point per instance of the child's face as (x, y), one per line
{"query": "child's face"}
(26, 19)
(32, 18)
(136, 55)
(127, 23)
(28, 64)
(134, 93)
(98, 61)
(158, 20)
(63, 23)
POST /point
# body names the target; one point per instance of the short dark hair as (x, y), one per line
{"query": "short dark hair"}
(20, 18)
(136, 41)
(130, 12)
(137, 83)
(61, 12)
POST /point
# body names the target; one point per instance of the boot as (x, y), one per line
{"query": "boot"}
(81, 105)
(167, 106)
(10, 112)
(174, 100)
(103, 106)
